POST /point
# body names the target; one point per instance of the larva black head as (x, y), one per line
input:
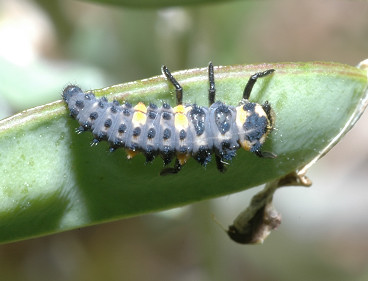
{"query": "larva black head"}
(70, 91)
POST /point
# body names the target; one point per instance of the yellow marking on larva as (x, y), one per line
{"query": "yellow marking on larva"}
(246, 145)
(181, 120)
(263, 138)
(131, 153)
(139, 116)
(259, 110)
(179, 109)
(182, 158)
(241, 116)
(141, 107)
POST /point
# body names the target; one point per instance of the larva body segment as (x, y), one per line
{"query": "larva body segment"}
(224, 130)
(202, 134)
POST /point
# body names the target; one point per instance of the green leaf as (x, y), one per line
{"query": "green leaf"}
(53, 180)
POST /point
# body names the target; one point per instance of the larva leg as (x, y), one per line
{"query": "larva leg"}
(211, 90)
(170, 171)
(211, 99)
(220, 164)
(178, 88)
(265, 154)
(252, 80)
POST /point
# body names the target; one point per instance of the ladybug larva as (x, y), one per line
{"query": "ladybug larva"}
(183, 131)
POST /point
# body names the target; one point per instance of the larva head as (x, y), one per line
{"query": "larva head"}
(254, 122)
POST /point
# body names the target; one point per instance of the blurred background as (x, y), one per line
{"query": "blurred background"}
(45, 45)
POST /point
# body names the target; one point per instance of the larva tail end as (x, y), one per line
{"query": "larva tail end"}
(70, 91)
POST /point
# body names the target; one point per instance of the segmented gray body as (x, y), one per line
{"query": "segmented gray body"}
(208, 130)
